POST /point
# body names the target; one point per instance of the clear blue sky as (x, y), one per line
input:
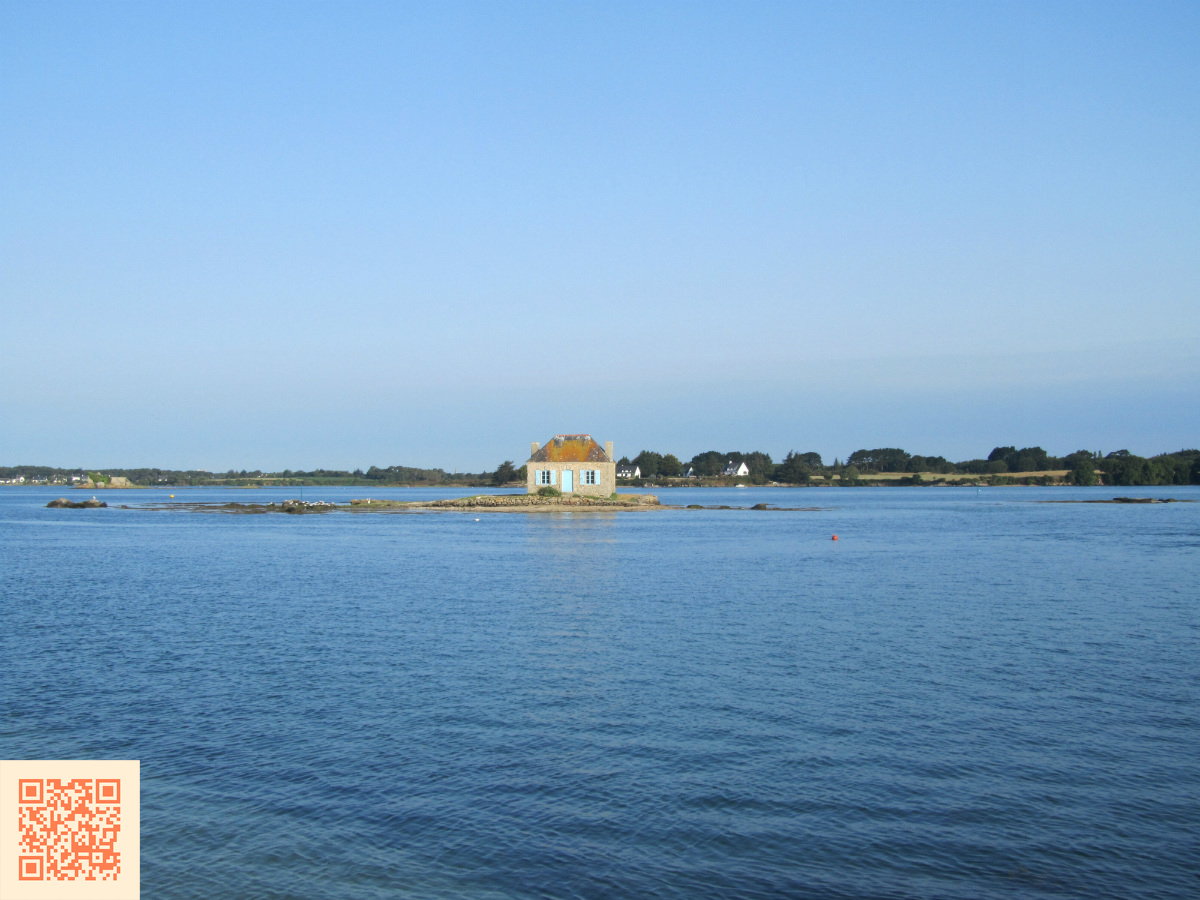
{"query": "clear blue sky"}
(300, 235)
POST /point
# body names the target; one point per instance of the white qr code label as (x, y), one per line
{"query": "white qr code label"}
(69, 830)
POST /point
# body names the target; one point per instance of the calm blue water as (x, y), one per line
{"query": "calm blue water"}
(969, 695)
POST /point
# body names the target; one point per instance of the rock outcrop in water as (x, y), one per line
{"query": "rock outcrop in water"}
(297, 507)
(64, 503)
(1143, 500)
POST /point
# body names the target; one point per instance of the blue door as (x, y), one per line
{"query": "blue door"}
(568, 481)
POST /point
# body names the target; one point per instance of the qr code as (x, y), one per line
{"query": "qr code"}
(68, 829)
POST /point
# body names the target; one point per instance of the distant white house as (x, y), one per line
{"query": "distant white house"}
(735, 470)
(629, 472)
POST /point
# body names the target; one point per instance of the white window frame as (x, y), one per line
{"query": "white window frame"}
(545, 476)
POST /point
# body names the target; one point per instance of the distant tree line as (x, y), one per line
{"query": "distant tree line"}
(391, 475)
(1081, 467)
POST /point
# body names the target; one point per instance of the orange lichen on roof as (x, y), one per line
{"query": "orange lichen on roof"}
(570, 448)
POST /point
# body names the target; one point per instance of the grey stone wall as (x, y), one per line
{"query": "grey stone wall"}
(608, 477)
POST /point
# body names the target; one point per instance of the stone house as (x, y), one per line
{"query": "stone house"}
(572, 463)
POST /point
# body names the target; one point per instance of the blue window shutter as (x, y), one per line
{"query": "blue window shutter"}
(598, 475)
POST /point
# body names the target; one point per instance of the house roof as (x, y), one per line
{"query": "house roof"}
(570, 448)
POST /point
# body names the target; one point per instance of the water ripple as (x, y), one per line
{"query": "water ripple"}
(963, 698)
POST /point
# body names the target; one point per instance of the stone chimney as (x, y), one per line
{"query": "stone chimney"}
(534, 447)
(608, 450)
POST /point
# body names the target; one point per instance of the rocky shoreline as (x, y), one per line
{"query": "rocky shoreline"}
(480, 503)
(526, 502)
(529, 503)
(1123, 500)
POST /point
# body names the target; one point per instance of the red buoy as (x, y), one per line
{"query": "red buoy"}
(835, 537)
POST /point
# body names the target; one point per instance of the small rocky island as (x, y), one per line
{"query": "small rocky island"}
(478, 503)
(64, 503)
(527, 503)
